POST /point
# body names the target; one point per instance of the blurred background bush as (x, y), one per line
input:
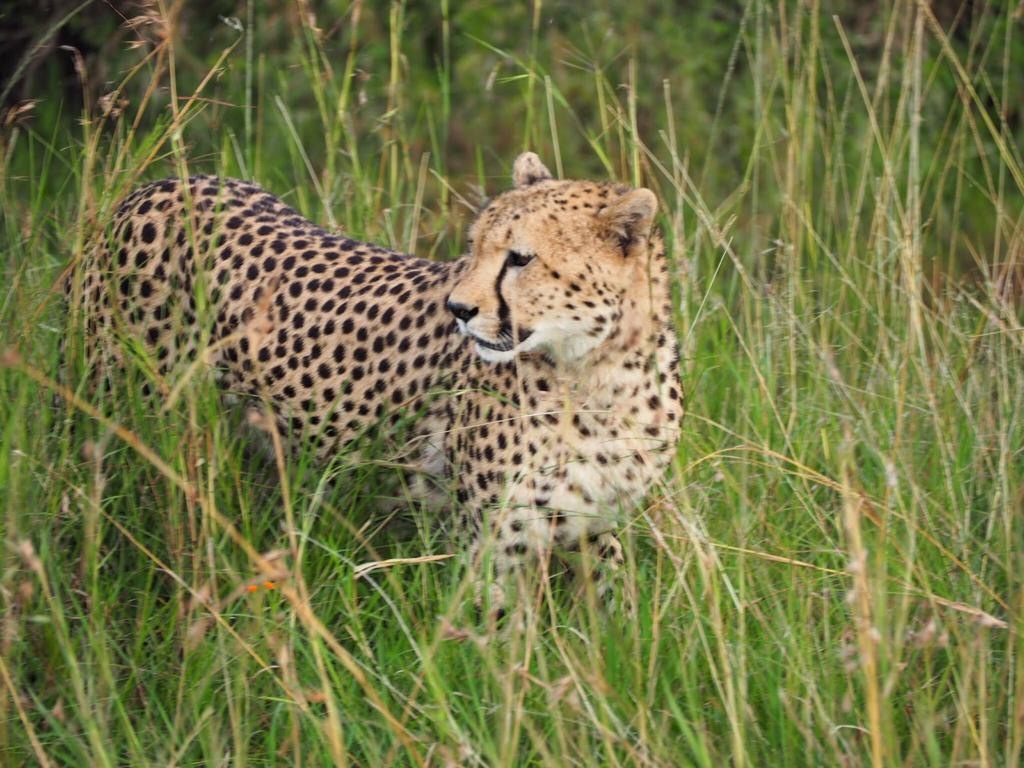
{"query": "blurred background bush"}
(475, 82)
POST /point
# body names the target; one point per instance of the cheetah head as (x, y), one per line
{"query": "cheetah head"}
(552, 263)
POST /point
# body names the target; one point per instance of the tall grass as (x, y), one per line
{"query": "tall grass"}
(830, 576)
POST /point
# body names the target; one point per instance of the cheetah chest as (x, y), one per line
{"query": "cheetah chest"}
(596, 454)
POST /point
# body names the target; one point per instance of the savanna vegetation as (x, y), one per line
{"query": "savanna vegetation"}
(831, 575)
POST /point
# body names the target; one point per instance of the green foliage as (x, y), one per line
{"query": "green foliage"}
(831, 574)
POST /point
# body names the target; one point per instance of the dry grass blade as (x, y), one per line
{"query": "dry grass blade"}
(364, 569)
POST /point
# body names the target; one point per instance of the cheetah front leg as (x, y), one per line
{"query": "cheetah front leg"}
(492, 591)
(515, 558)
(605, 559)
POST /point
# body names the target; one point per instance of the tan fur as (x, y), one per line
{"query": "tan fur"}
(552, 412)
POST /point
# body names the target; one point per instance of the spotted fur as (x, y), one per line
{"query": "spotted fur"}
(549, 405)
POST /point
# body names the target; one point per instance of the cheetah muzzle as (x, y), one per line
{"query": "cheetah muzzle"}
(542, 366)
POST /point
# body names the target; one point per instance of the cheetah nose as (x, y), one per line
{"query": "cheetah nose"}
(461, 311)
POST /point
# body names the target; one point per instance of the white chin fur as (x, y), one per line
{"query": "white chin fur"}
(494, 355)
(567, 345)
(567, 348)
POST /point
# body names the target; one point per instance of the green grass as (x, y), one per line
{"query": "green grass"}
(832, 574)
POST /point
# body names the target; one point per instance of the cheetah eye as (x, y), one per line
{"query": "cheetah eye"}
(517, 259)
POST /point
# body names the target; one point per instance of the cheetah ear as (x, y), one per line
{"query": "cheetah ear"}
(630, 217)
(528, 169)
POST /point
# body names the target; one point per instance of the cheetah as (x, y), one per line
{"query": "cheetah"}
(542, 368)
